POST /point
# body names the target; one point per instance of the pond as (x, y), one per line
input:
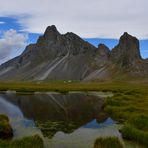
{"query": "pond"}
(62, 120)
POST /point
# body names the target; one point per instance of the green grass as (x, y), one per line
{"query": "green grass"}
(6, 134)
(108, 142)
(27, 142)
(74, 86)
(130, 107)
(140, 122)
(5, 128)
(4, 118)
(136, 129)
(129, 132)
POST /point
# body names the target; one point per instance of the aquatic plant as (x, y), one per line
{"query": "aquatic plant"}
(49, 128)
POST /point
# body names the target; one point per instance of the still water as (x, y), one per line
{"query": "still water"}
(63, 120)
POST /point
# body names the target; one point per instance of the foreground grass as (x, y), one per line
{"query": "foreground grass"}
(129, 132)
(130, 107)
(6, 134)
(136, 129)
(27, 142)
(5, 128)
(109, 142)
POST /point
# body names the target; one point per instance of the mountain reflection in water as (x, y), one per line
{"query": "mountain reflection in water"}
(51, 113)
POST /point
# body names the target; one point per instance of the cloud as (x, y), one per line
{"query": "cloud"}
(2, 22)
(11, 41)
(87, 18)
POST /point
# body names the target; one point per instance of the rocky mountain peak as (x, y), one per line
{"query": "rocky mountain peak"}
(52, 44)
(102, 46)
(51, 30)
(50, 35)
(103, 50)
(127, 52)
(128, 40)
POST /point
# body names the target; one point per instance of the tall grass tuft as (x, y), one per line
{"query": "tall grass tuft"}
(27, 142)
(129, 132)
(108, 142)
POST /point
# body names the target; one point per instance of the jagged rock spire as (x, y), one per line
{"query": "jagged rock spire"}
(127, 51)
(51, 30)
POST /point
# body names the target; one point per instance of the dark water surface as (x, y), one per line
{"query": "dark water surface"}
(63, 120)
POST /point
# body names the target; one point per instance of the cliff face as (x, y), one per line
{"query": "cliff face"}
(126, 56)
(58, 56)
(127, 52)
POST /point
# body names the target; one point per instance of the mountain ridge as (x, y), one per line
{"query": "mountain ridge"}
(58, 56)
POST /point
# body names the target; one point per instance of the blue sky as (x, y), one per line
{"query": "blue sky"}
(96, 22)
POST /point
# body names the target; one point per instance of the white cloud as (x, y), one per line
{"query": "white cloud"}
(2, 22)
(87, 18)
(11, 41)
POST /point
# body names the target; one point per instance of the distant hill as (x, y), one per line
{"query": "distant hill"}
(58, 56)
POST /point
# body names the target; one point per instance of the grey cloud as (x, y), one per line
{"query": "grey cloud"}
(88, 18)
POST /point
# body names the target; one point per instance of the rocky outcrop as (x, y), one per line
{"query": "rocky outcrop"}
(127, 52)
(127, 59)
(101, 65)
(103, 52)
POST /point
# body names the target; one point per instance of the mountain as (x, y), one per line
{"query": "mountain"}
(58, 56)
(126, 56)
(127, 52)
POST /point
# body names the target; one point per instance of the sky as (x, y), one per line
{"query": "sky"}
(96, 21)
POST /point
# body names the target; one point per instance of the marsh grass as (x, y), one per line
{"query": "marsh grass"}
(4, 118)
(129, 132)
(129, 105)
(27, 142)
(131, 108)
(108, 142)
(116, 87)
(140, 122)
(5, 128)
